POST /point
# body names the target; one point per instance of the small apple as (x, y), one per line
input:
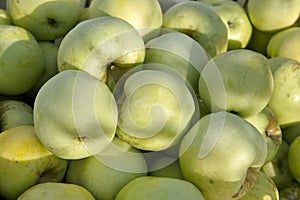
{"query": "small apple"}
(285, 43)
(5, 17)
(24, 162)
(115, 40)
(284, 101)
(222, 154)
(272, 15)
(293, 158)
(75, 115)
(153, 188)
(199, 21)
(21, 59)
(57, 191)
(45, 19)
(238, 81)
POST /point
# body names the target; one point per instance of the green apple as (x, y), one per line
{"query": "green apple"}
(21, 60)
(289, 133)
(237, 21)
(155, 107)
(5, 17)
(114, 39)
(221, 154)
(57, 191)
(107, 172)
(284, 101)
(285, 43)
(272, 15)
(15, 113)
(293, 158)
(199, 21)
(24, 162)
(45, 19)
(180, 52)
(238, 81)
(75, 115)
(153, 188)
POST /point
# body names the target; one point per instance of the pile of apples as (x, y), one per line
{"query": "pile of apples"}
(150, 99)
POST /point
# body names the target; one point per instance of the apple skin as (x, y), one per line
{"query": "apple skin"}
(5, 17)
(24, 162)
(58, 191)
(199, 21)
(268, 15)
(284, 101)
(243, 86)
(45, 19)
(152, 188)
(84, 117)
(21, 58)
(115, 39)
(221, 154)
(285, 43)
(293, 158)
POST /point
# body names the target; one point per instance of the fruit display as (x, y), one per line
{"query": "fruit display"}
(150, 99)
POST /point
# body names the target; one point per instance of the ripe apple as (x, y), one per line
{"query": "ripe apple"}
(285, 43)
(199, 21)
(272, 15)
(146, 17)
(75, 115)
(153, 188)
(21, 59)
(293, 158)
(222, 154)
(237, 21)
(15, 113)
(238, 81)
(24, 162)
(57, 191)
(284, 101)
(45, 19)
(5, 17)
(114, 39)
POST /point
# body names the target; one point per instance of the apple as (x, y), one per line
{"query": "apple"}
(293, 158)
(284, 101)
(272, 15)
(238, 81)
(145, 17)
(222, 154)
(21, 59)
(58, 191)
(199, 21)
(15, 113)
(24, 162)
(285, 43)
(5, 17)
(107, 172)
(45, 19)
(75, 115)
(236, 19)
(83, 15)
(155, 107)
(153, 188)
(114, 39)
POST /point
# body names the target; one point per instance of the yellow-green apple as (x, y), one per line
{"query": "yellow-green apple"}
(290, 192)
(237, 21)
(285, 43)
(24, 162)
(45, 19)
(75, 115)
(272, 15)
(294, 159)
(238, 81)
(278, 168)
(146, 17)
(285, 99)
(21, 60)
(107, 40)
(180, 52)
(57, 191)
(155, 107)
(15, 113)
(166, 4)
(153, 188)
(107, 172)
(199, 21)
(5, 17)
(222, 154)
